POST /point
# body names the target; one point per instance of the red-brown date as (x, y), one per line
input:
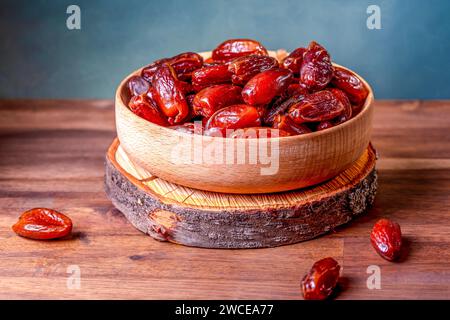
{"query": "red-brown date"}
(235, 48)
(283, 122)
(353, 86)
(386, 238)
(263, 87)
(210, 75)
(43, 224)
(213, 98)
(144, 108)
(347, 113)
(235, 117)
(279, 107)
(183, 64)
(316, 70)
(296, 89)
(137, 85)
(294, 60)
(168, 94)
(316, 107)
(321, 280)
(246, 67)
(258, 132)
(189, 127)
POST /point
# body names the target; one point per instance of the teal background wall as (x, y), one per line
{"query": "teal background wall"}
(40, 58)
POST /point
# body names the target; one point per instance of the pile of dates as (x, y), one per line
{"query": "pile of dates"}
(242, 87)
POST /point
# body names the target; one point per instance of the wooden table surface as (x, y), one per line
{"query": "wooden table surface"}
(52, 155)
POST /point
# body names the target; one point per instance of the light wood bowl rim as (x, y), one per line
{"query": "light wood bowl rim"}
(367, 105)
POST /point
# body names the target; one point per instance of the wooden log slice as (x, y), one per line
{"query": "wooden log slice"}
(170, 212)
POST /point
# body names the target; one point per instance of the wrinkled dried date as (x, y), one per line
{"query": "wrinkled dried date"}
(351, 85)
(285, 123)
(321, 280)
(316, 70)
(211, 99)
(342, 97)
(294, 60)
(137, 85)
(183, 65)
(235, 117)
(235, 48)
(263, 87)
(145, 108)
(168, 94)
(210, 75)
(279, 106)
(245, 68)
(43, 224)
(316, 107)
(386, 238)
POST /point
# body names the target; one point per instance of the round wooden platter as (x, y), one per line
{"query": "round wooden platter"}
(192, 217)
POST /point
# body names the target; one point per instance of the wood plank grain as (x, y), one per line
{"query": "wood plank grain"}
(52, 154)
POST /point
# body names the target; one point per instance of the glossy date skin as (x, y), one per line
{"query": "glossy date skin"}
(210, 75)
(386, 238)
(245, 68)
(280, 106)
(321, 280)
(183, 65)
(235, 48)
(169, 95)
(235, 117)
(213, 98)
(43, 224)
(316, 107)
(316, 70)
(145, 108)
(137, 85)
(353, 87)
(294, 61)
(263, 87)
(283, 122)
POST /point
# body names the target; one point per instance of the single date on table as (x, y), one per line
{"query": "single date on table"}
(225, 309)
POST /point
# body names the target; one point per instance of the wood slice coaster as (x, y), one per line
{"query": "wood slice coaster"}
(170, 212)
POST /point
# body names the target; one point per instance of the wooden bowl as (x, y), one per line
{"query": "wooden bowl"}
(218, 164)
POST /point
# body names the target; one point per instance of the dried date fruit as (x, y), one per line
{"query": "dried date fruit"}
(263, 87)
(235, 48)
(324, 125)
(168, 94)
(296, 89)
(235, 117)
(137, 85)
(353, 86)
(342, 97)
(183, 65)
(186, 87)
(246, 67)
(258, 132)
(210, 75)
(321, 280)
(283, 122)
(294, 60)
(316, 70)
(144, 108)
(386, 238)
(211, 99)
(43, 224)
(316, 107)
(279, 106)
